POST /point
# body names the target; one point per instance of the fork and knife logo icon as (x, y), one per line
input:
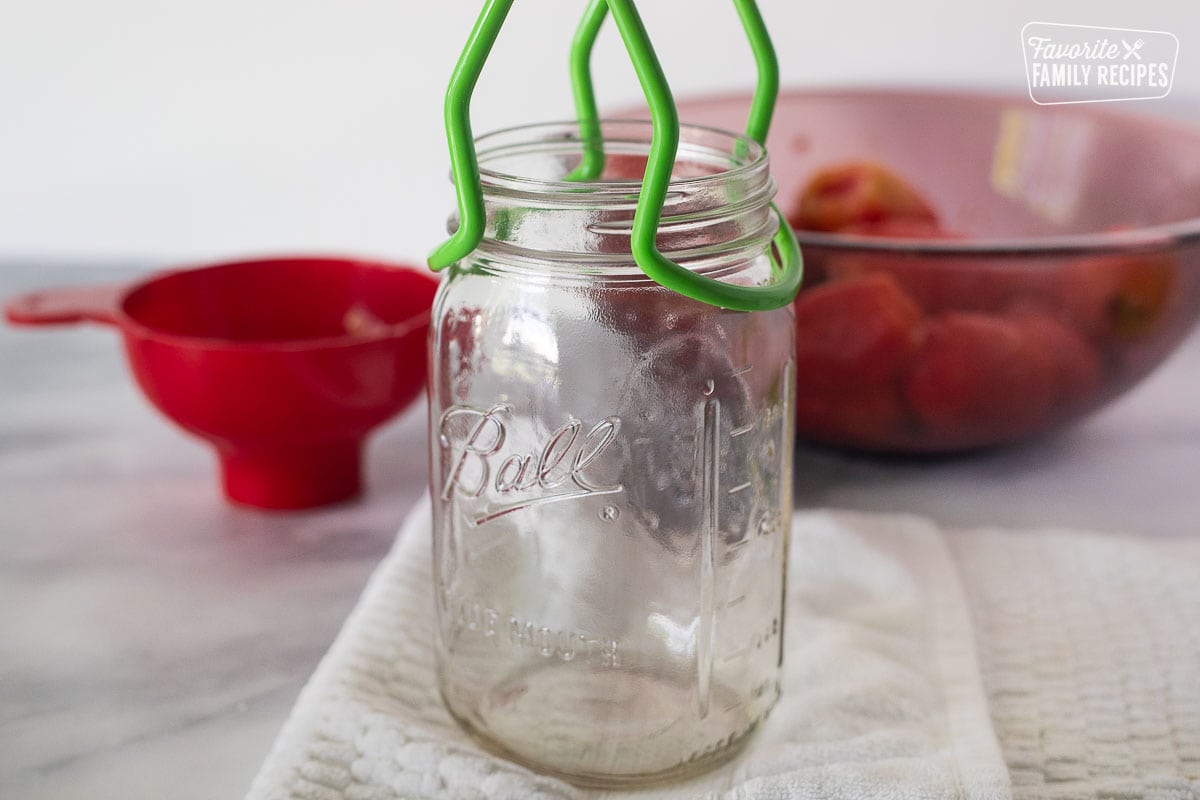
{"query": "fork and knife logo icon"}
(1132, 49)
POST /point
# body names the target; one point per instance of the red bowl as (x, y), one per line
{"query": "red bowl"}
(1071, 267)
(284, 365)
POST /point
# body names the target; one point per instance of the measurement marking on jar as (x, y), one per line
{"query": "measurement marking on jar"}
(741, 370)
(736, 654)
(708, 536)
(724, 742)
(742, 431)
(735, 705)
(737, 544)
(741, 487)
(735, 601)
(756, 641)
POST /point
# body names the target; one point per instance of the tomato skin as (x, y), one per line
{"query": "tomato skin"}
(1118, 299)
(900, 228)
(853, 341)
(1060, 348)
(863, 419)
(976, 376)
(941, 283)
(857, 192)
(623, 167)
(854, 332)
(911, 348)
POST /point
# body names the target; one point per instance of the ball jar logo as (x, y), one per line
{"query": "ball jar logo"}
(1087, 64)
(476, 445)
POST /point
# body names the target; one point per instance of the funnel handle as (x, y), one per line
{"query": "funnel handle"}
(67, 305)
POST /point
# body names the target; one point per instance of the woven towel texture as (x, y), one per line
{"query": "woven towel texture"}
(920, 663)
(881, 692)
(1090, 651)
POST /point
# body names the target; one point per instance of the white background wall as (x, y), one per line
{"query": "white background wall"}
(172, 129)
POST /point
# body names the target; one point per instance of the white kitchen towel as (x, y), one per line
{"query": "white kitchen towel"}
(1090, 649)
(882, 695)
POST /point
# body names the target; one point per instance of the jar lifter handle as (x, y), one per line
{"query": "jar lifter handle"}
(472, 219)
(762, 107)
(663, 148)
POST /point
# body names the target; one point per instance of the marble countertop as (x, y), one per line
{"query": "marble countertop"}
(154, 638)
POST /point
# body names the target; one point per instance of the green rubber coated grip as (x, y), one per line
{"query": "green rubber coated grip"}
(786, 262)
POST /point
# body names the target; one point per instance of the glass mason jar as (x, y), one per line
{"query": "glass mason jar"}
(610, 463)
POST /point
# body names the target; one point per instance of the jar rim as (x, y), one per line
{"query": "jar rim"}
(745, 156)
